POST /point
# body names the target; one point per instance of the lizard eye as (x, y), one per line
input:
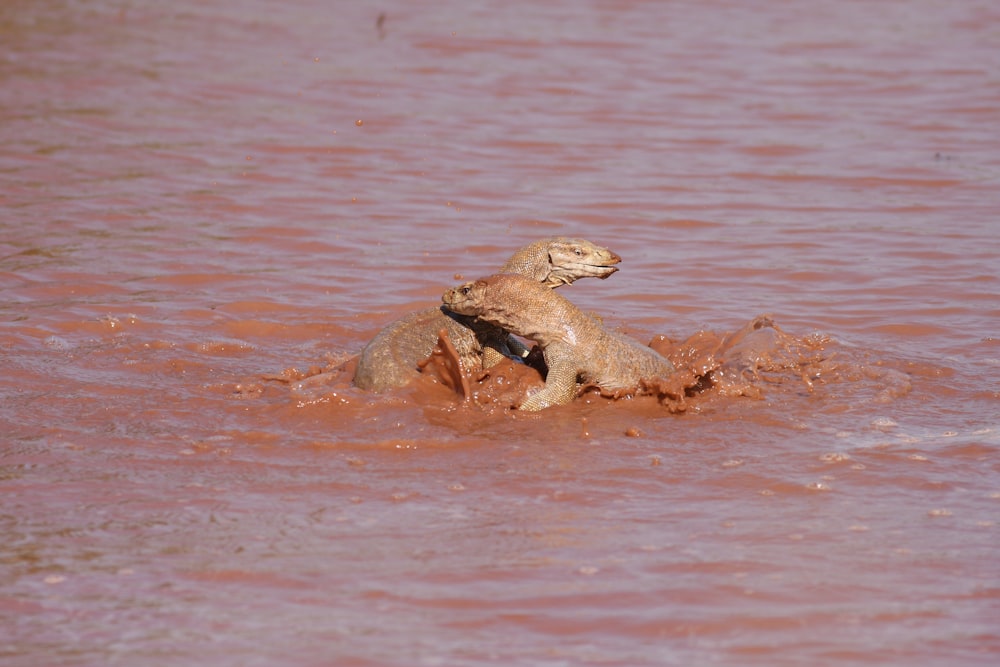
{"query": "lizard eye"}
(466, 290)
(579, 253)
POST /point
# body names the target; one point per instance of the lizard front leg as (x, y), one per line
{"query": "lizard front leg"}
(560, 385)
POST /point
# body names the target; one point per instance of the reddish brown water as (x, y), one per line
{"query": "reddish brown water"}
(197, 195)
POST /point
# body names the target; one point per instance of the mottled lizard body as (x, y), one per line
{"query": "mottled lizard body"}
(577, 349)
(391, 358)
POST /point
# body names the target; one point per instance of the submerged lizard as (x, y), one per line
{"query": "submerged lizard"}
(391, 358)
(576, 347)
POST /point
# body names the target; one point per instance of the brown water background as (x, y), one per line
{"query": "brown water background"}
(195, 195)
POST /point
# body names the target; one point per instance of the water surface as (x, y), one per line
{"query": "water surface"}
(196, 196)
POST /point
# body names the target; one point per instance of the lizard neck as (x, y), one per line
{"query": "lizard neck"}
(531, 261)
(533, 311)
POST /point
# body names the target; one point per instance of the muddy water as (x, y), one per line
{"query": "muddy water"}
(199, 195)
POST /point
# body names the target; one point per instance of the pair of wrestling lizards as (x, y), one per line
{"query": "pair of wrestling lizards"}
(480, 317)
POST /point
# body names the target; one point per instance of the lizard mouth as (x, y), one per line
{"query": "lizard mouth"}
(601, 270)
(574, 272)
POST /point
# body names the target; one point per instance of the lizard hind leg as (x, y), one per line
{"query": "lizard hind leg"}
(446, 365)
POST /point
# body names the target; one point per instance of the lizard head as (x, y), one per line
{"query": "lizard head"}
(465, 299)
(572, 259)
(520, 305)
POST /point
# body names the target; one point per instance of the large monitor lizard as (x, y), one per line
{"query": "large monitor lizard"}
(390, 359)
(577, 349)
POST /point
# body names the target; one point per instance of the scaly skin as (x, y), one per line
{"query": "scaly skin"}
(577, 349)
(390, 359)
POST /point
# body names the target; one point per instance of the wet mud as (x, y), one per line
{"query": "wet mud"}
(754, 362)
